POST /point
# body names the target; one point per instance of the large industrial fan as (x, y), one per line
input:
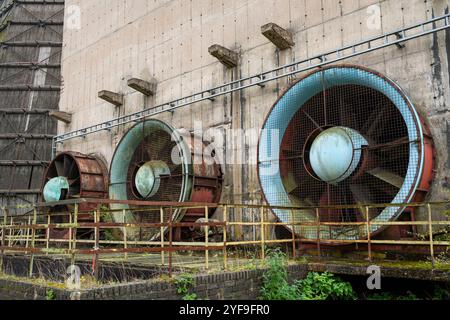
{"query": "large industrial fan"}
(73, 175)
(343, 136)
(155, 163)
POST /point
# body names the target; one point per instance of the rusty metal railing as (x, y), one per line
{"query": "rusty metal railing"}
(30, 234)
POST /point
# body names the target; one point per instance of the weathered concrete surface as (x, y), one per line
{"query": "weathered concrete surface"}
(169, 40)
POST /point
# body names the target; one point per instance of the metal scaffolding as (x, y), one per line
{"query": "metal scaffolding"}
(30, 81)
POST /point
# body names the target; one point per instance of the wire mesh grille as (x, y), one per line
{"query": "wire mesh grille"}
(385, 134)
(157, 146)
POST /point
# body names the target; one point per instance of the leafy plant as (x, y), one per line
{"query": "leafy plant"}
(316, 286)
(184, 282)
(50, 295)
(275, 279)
(324, 286)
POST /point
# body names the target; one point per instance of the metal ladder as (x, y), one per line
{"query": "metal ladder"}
(394, 38)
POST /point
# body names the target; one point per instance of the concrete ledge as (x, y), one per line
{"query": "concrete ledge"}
(111, 97)
(226, 56)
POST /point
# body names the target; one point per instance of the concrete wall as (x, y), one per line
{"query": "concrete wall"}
(169, 40)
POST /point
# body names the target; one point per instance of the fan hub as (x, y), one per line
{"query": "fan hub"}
(53, 190)
(148, 178)
(336, 153)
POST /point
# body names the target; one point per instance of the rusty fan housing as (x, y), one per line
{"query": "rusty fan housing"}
(156, 163)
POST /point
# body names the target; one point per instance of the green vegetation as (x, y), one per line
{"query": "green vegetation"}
(275, 279)
(50, 295)
(324, 286)
(390, 296)
(316, 286)
(184, 283)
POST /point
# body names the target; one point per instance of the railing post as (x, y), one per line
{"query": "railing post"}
(33, 237)
(70, 231)
(97, 243)
(5, 221)
(369, 237)
(225, 235)
(294, 240)
(263, 234)
(430, 230)
(27, 234)
(74, 233)
(163, 257)
(10, 232)
(47, 234)
(207, 238)
(319, 252)
(125, 234)
(170, 240)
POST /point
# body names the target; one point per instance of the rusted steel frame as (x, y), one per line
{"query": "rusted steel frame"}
(211, 205)
(137, 203)
(430, 230)
(387, 242)
(111, 251)
(105, 225)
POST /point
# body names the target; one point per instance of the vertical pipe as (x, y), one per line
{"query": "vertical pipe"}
(263, 235)
(163, 258)
(207, 238)
(430, 230)
(33, 232)
(369, 238)
(225, 235)
(319, 251)
(125, 234)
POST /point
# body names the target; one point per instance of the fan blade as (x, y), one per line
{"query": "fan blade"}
(59, 168)
(71, 173)
(361, 194)
(388, 177)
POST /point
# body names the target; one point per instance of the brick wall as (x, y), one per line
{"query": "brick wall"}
(227, 286)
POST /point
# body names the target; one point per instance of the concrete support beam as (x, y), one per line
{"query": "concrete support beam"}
(61, 116)
(145, 87)
(226, 56)
(111, 97)
(278, 36)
